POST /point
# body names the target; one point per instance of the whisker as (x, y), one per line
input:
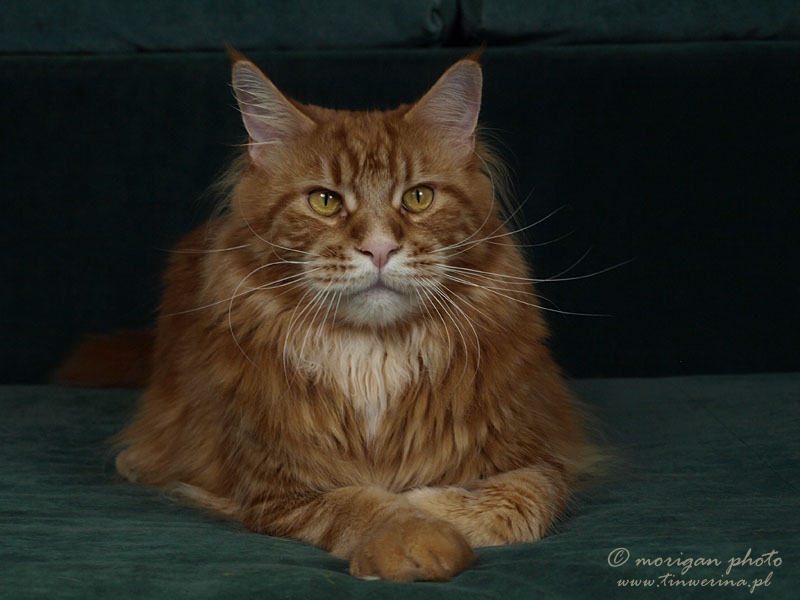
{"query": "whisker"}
(484, 286)
(435, 297)
(442, 293)
(293, 321)
(587, 275)
(539, 306)
(331, 304)
(422, 290)
(573, 265)
(500, 277)
(255, 143)
(490, 288)
(230, 315)
(500, 226)
(318, 299)
(486, 317)
(466, 246)
(274, 245)
(236, 294)
(536, 245)
(489, 213)
(490, 275)
(278, 283)
(205, 251)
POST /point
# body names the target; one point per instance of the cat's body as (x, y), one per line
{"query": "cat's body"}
(351, 355)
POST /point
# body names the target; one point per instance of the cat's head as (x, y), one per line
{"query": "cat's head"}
(381, 212)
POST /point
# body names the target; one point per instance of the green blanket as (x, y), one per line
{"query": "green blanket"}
(705, 496)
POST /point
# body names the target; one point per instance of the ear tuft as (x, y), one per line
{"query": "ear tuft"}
(267, 114)
(453, 103)
(233, 54)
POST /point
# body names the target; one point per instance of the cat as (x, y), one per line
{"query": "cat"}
(351, 353)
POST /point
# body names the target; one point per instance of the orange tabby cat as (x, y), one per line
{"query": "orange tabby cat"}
(351, 355)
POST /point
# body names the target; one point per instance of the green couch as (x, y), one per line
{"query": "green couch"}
(665, 136)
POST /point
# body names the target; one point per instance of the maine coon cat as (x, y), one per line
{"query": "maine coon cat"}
(351, 354)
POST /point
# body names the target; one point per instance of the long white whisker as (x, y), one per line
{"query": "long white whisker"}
(273, 244)
(486, 317)
(539, 306)
(339, 295)
(536, 245)
(587, 275)
(496, 289)
(236, 294)
(278, 283)
(205, 251)
(490, 275)
(493, 235)
(466, 241)
(330, 304)
(319, 301)
(485, 286)
(513, 279)
(422, 290)
(492, 207)
(294, 320)
(573, 265)
(435, 297)
(442, 294)
(230, 313)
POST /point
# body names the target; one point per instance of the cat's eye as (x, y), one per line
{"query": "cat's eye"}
(325, 202)
(417, 198)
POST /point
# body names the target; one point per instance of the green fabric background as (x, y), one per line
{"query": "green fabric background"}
(709, 468)
(97, 26)
(621, 21)
(119, 26)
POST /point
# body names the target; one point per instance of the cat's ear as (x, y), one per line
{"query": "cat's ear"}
(268, 115)
(453, 103)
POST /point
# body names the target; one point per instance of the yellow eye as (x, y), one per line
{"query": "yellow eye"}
(418, 198)
(325, 202)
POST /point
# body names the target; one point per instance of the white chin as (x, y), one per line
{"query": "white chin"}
(377, 308)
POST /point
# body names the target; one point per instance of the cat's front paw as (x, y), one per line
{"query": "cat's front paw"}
(412, 549)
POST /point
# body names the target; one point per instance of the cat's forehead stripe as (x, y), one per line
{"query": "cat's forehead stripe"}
(370, 164)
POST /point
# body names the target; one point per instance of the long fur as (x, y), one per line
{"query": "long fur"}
(397, 430)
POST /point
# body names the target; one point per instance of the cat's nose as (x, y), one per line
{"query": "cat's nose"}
(379, 251)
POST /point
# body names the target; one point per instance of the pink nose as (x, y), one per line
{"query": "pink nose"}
(379, 251)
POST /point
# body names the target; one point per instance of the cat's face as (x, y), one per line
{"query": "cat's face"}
(371, 212)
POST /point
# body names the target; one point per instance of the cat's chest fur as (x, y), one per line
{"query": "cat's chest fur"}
(368, 370)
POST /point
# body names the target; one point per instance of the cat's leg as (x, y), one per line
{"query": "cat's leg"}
(512, 507)
(380, 533)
